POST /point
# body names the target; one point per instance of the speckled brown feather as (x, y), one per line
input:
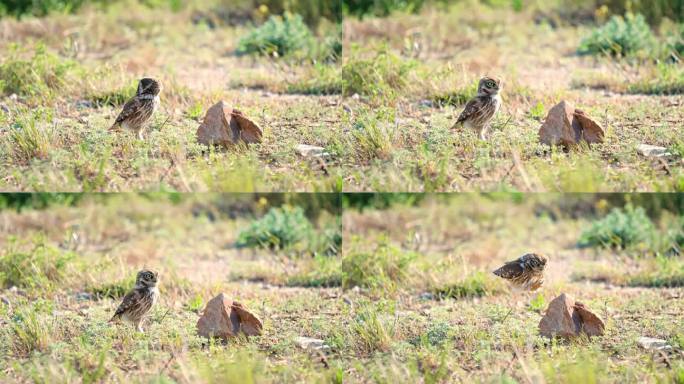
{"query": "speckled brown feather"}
(527, 272)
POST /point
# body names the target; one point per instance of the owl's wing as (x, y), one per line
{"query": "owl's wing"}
(509, 270)
(471, 108)
(131, 299)
(131, 108)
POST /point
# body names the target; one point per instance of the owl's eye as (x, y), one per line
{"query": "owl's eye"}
(490, 84)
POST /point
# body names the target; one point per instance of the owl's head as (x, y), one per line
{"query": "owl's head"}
(489, 86)
(146, 278)
(148, 86)
(534, 260)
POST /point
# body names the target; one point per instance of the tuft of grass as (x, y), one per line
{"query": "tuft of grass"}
(195, 111)
(38, 77)
(584, 368)
(32, 330)
(457, 97)
(538, 111)
(325, 272)
(31, 139)
(42, 268)
(475, 285)
(279, 35)
(667, 272)
(279, 228)
(436, 335)
(373, 137)
(327, 242)
(114, 97)
(113, 290)
(620, 229)
(382, 269)
(621, 36)
(323, 79)
(381, 77)
(373, 330)
(663, 79)
(243, 366)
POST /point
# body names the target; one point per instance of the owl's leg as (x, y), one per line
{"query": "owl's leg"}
(138, 326)
(483, 132)
(140, 134)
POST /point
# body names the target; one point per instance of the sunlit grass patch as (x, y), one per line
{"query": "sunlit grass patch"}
(663, 272)
(39, 76)
(651, 79)
(373, 136)
(321, 79)
(32, 138)
(382, 76)
(663, 79)
(382, 269)
(40, 268)
(113, 97)
(322, 271)
(32, 326)
(459, 96)
(475, 285)
(112, 290)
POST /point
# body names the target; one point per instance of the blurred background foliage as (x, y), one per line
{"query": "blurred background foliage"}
(241, 11)
(653, 10)
(231, 205)
(555, 205)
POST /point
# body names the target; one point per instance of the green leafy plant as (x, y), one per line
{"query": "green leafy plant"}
(38, 8)
(279, 35)
(538, 303)
(21, 201)
(621, 228)
(537, 111)
(277, 229)
(620, 36)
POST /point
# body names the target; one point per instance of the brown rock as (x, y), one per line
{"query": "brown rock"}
(591, 131)
(225, 126)
(567, 126)
(249, 324)
(224, 318)
(558, 318)
(591, 324)
(566, 318)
